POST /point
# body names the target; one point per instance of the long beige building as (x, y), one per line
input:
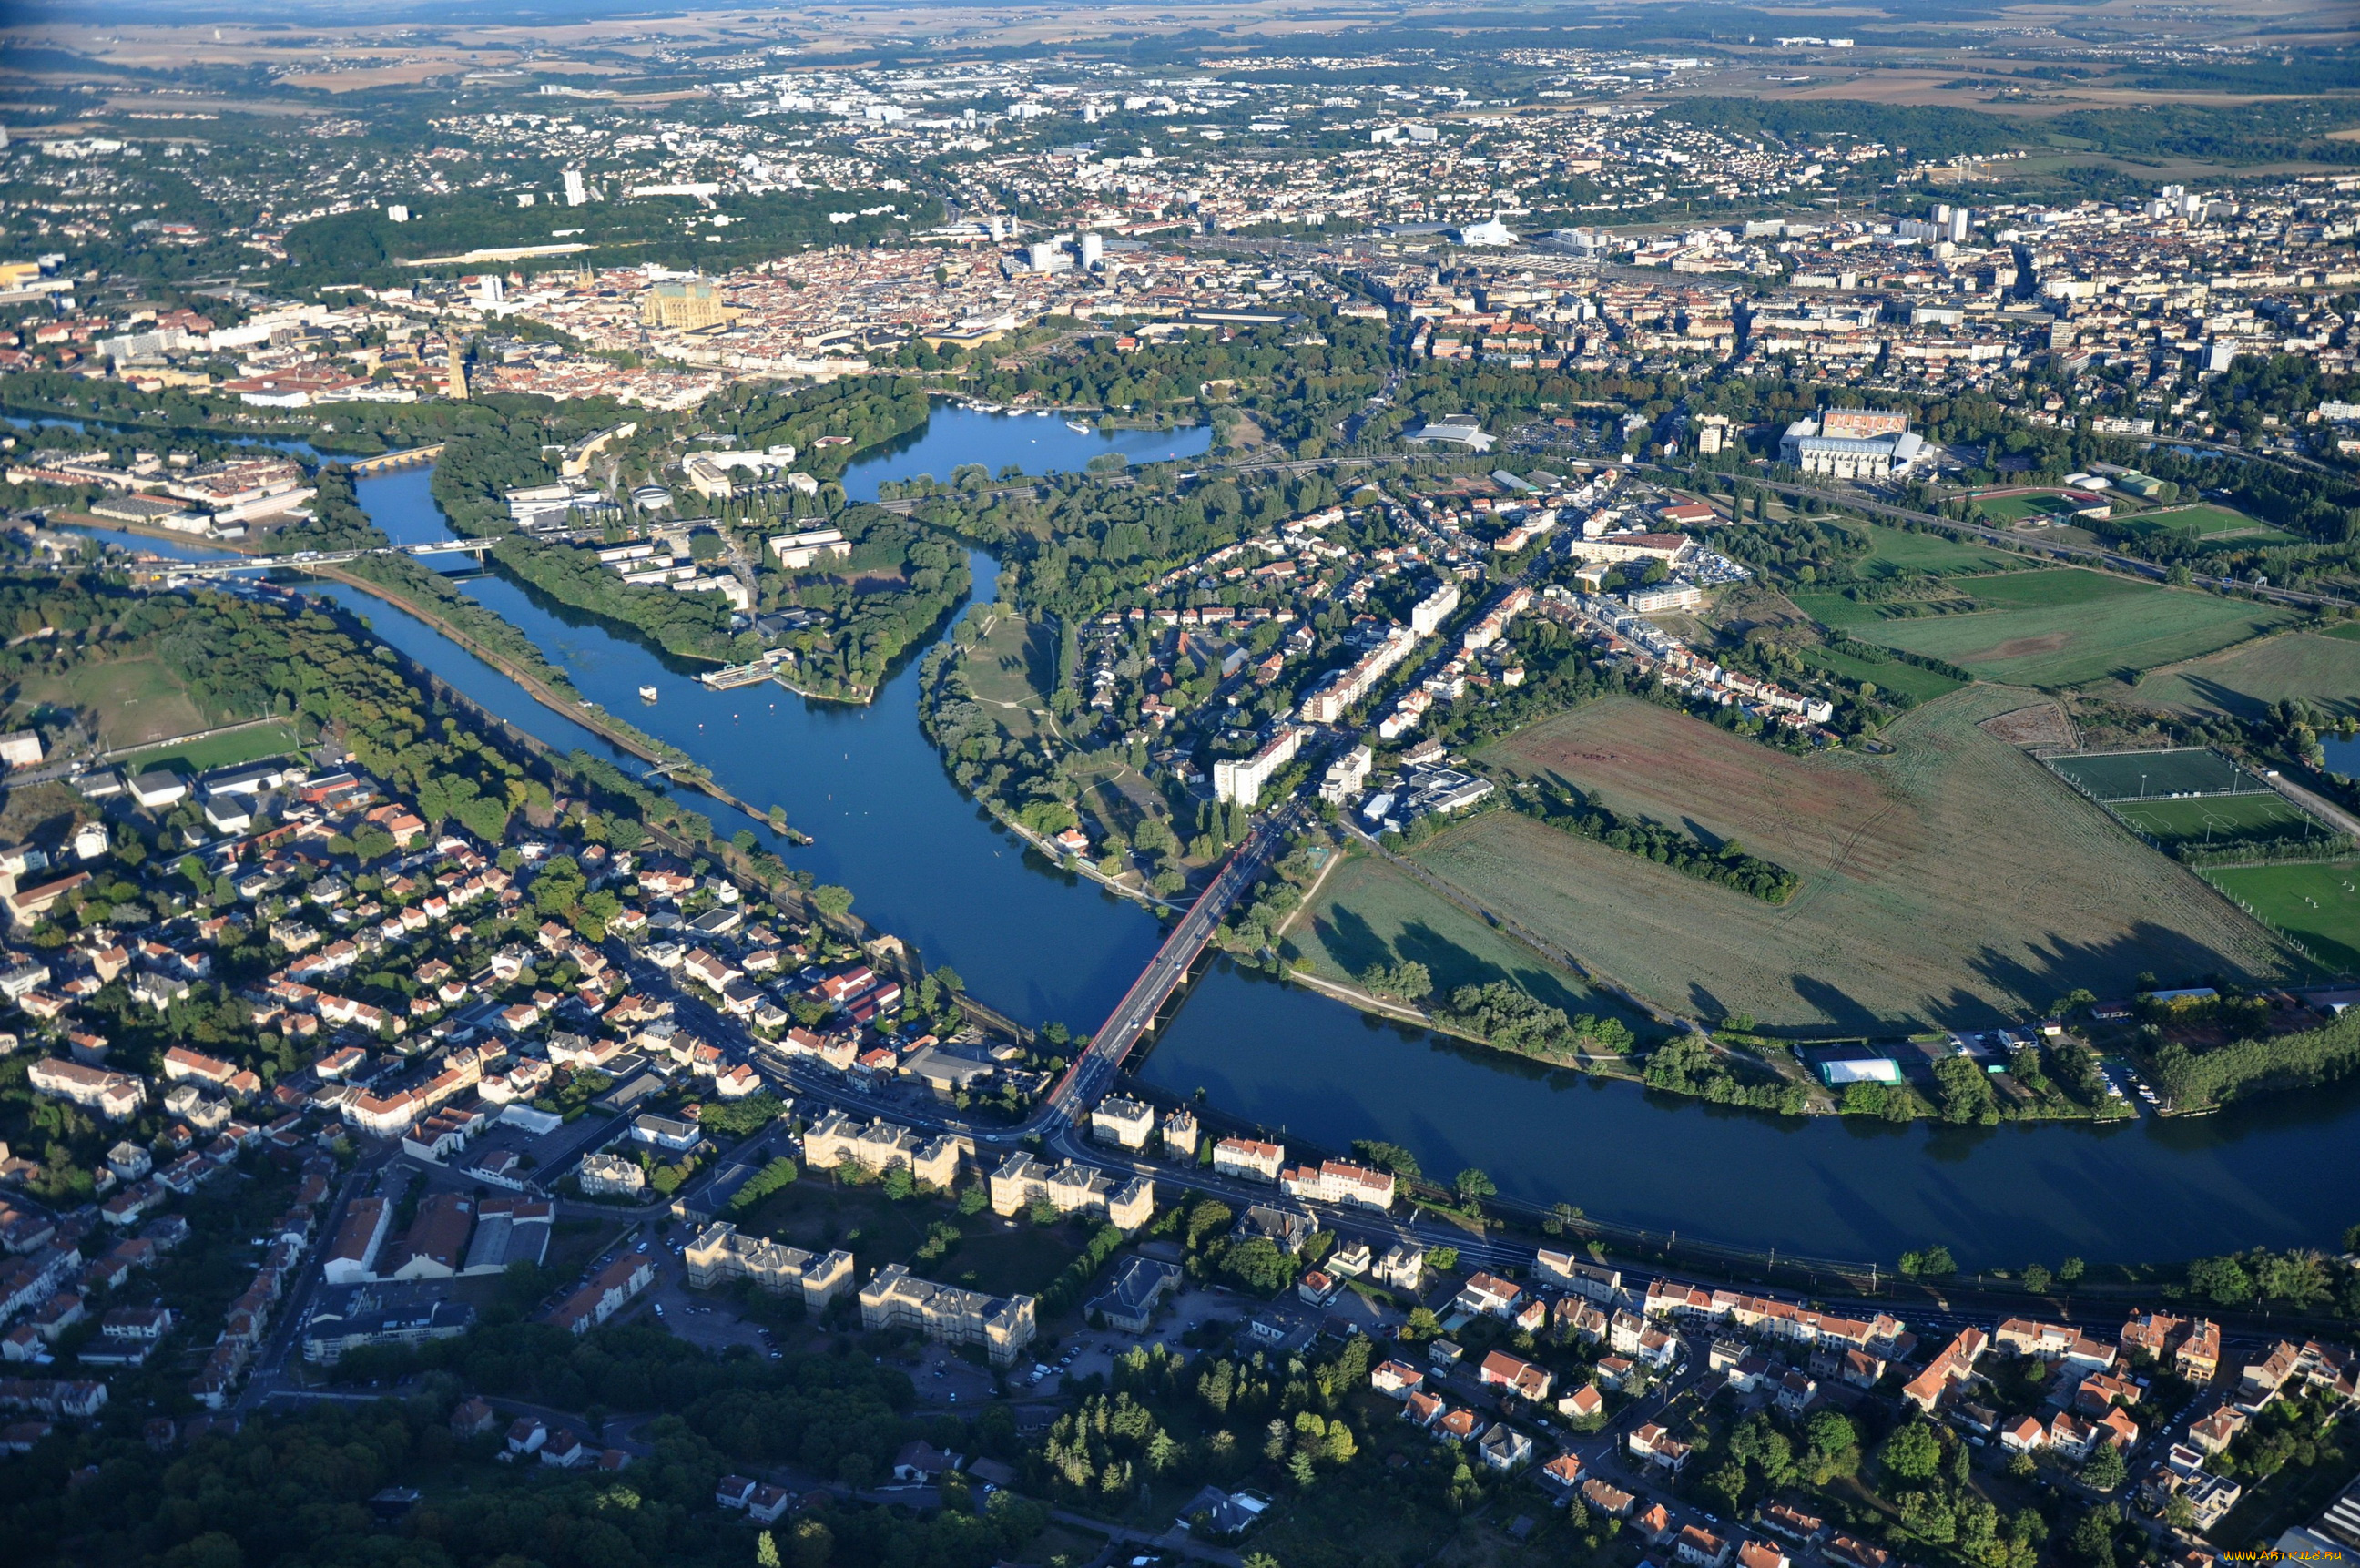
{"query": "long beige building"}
(721, 1255)
(895, 1298)
(1071, 1188)
(880, 1146)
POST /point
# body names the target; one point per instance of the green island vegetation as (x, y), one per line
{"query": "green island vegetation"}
(852, 618)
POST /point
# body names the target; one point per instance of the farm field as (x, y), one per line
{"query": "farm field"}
(221, 751)
(2322, 668)
(1952, 884)
(2059, 627)
(133, 700)
(2319, 905)
(1896, 553)
(1370, 913)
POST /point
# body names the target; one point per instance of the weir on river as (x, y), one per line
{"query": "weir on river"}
(927, 864)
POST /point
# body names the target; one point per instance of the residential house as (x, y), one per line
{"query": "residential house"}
(1658, 1448)
(1503, 1448)
(1517, 1377)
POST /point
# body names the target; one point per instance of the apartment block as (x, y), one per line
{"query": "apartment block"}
(1002, 1325)
(1179, 1135)
(1070, 1189)
(880, 1146)
(721, 1253)
(1335, 1181)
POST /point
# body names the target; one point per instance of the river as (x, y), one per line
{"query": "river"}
(924, 862)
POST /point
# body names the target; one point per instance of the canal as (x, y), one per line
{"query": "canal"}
(924, 862)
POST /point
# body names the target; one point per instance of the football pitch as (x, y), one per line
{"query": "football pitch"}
(2155, 775)
(2221, 819)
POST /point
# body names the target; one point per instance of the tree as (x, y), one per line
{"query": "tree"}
(832, 901)
(1442, 1259)
(2070, 1271)
(2092, 1540)
(1473, 1187)
(2104, 1470)
(812, 1544)
(1388, 1157)
(766, 1551)
(1933, 1263)
(1913, 1453)
(2224, 1279)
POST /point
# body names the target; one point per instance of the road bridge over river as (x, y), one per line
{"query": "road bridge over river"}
(305, 560)
(1093, 1072)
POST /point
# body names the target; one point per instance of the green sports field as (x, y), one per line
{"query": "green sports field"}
(221, 751)
(2221, 821)
(2059, 627)
(2155, 775)
(2209, 521)
(2318, 906)
(1897, 552)
(2016, 509)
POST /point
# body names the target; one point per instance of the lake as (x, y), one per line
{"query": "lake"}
(954, 436)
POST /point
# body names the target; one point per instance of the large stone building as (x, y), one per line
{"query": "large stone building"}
(687, 305)
(721, 1253)
(1071, 1188)
(880, 1146)
(1002, 1325)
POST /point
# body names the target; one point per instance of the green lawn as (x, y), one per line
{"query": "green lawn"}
(2059, 627)
(1890, 675)
(130, 700)
(1897, 552)
(222, 751)
(816, 1213)
(2317, 904)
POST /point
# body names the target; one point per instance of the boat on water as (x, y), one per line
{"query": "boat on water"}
(1040, 414)
(1078, 424)
(647, 694)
